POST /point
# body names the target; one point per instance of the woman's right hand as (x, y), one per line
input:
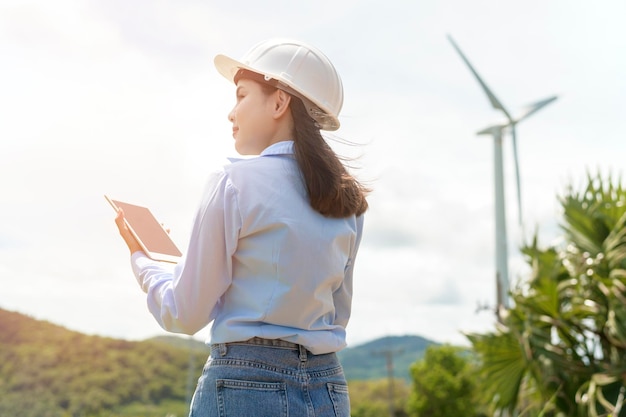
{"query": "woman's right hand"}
(128, 237)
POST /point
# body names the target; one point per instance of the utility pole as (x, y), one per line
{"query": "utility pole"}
(388, 354)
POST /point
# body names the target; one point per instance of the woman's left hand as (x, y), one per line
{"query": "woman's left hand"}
(128, 237)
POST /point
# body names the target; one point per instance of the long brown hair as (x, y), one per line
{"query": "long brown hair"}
(332, 190)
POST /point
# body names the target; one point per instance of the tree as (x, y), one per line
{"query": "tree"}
(561, 349)
(443, 384)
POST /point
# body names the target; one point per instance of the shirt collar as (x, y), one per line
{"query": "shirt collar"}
(279, 148)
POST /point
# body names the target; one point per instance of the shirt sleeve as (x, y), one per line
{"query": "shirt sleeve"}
(187, 298)
(342, 297)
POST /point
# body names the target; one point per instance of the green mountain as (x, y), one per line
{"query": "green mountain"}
(373, 360)
(49, 371)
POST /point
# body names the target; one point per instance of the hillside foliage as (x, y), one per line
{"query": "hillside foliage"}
(49, 371)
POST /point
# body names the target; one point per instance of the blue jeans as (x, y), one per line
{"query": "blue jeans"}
(270, 378)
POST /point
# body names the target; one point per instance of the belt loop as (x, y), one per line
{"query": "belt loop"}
(303, 355)
(219, 348)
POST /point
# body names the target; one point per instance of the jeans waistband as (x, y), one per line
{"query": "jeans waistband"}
(268, 342)
(222, 348)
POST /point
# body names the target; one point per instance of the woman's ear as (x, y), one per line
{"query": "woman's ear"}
(281, 103)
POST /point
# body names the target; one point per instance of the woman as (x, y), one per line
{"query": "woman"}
(272, 249)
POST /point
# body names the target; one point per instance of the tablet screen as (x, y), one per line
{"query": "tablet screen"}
(152, 237)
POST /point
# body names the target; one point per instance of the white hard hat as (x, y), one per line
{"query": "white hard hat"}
(300, 69)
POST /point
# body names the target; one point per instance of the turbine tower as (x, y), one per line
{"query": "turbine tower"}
(497, 132)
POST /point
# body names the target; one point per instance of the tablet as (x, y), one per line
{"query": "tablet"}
(153, 238)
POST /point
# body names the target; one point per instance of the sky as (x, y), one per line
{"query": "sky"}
(122, 98)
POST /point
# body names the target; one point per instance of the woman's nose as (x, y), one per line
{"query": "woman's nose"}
(231, 115)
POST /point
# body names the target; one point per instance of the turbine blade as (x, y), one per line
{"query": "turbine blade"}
(533, 108)
(517, 177)
(495, 103)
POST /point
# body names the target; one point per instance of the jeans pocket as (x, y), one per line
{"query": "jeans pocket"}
(238, 398)
(340, 399)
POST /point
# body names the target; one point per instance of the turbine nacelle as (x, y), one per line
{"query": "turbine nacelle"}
(526, 112)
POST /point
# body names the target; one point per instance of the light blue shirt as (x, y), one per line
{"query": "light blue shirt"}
(260, 262)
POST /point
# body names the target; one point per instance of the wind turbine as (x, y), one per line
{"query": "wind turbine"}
(497, 132)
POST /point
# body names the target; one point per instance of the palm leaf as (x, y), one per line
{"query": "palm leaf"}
(503, 367)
